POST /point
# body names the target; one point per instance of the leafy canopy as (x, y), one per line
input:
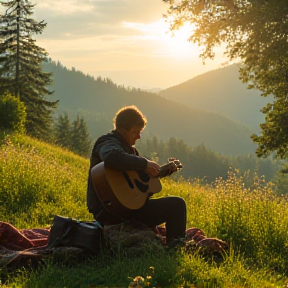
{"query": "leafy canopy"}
(256, 32)
(12, 113)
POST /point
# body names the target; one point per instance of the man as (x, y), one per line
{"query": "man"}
(117, 150)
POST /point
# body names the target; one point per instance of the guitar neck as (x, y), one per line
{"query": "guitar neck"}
(164, 170)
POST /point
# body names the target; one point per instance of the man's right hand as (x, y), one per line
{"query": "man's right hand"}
(152, 168)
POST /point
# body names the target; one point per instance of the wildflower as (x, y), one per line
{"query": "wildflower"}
(137, 282)
(151, 269)
(138, 279)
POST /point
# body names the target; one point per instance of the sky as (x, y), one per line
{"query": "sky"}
(127, 41)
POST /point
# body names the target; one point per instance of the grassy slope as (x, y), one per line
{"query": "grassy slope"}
(38, 180)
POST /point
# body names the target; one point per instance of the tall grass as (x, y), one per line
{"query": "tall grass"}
(254, 221)
(38, 181)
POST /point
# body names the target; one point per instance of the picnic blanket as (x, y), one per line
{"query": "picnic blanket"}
(17, 240)
(19, 246)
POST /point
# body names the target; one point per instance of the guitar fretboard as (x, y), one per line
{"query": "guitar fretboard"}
(168, 169)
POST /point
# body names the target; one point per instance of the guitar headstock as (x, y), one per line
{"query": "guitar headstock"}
(176, 161)
(172, 166)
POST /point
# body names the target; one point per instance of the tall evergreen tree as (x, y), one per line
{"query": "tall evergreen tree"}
(63, 131)
(21, 74)
(80, 139)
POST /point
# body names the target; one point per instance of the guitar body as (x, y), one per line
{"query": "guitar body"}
(130, 189)
(122, 192)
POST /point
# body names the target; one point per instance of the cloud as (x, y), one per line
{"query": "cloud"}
(114, 36)
(78, 18)
(116, 8)
(64, 7)
(94, 28)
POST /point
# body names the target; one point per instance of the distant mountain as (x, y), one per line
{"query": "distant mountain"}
(98, 100)
(221, 91)
(152, 90)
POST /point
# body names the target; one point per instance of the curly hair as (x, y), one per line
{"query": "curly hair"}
(129, 116)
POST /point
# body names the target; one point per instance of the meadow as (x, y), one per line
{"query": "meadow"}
(38, 180)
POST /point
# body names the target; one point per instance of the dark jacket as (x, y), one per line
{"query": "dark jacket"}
(117, 154)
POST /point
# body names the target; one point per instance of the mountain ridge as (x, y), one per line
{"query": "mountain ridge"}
(99, 99)
(221, 91)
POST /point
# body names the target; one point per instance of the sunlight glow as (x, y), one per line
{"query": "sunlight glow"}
(175, 44)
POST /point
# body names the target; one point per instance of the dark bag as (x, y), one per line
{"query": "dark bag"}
(72, 233)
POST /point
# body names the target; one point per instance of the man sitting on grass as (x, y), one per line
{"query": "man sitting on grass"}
(116, 149)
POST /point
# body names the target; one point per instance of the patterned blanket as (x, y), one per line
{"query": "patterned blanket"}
(18, 247)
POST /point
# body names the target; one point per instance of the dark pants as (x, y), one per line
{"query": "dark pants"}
(170, 210)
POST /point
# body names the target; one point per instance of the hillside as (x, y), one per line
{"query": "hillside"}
(38, 180)
(99, 99)
(222, 92)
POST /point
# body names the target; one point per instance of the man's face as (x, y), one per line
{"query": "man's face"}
(132, 135)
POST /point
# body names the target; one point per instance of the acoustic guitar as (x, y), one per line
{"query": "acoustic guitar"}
(120, 192)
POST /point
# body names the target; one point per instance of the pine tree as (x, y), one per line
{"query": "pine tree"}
(73, 136)
(80, 142)
(21, 74)
(63, 131)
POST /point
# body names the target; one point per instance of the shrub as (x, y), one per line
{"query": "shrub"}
(12, 113)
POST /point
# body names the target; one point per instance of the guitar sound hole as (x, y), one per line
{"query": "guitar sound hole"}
(128, 180)
(143, 176)
(142, 187)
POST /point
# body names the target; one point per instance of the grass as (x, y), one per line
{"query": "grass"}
(38, 180)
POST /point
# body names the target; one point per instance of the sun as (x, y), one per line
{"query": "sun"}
(177, 42)
(170, 44)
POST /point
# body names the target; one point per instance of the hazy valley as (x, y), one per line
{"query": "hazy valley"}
(216, 115)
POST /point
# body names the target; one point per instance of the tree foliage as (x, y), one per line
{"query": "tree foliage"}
(20, 65)
(62, 131)
(73, 136)
(80, 142)
(256, 31)
(12, 113)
